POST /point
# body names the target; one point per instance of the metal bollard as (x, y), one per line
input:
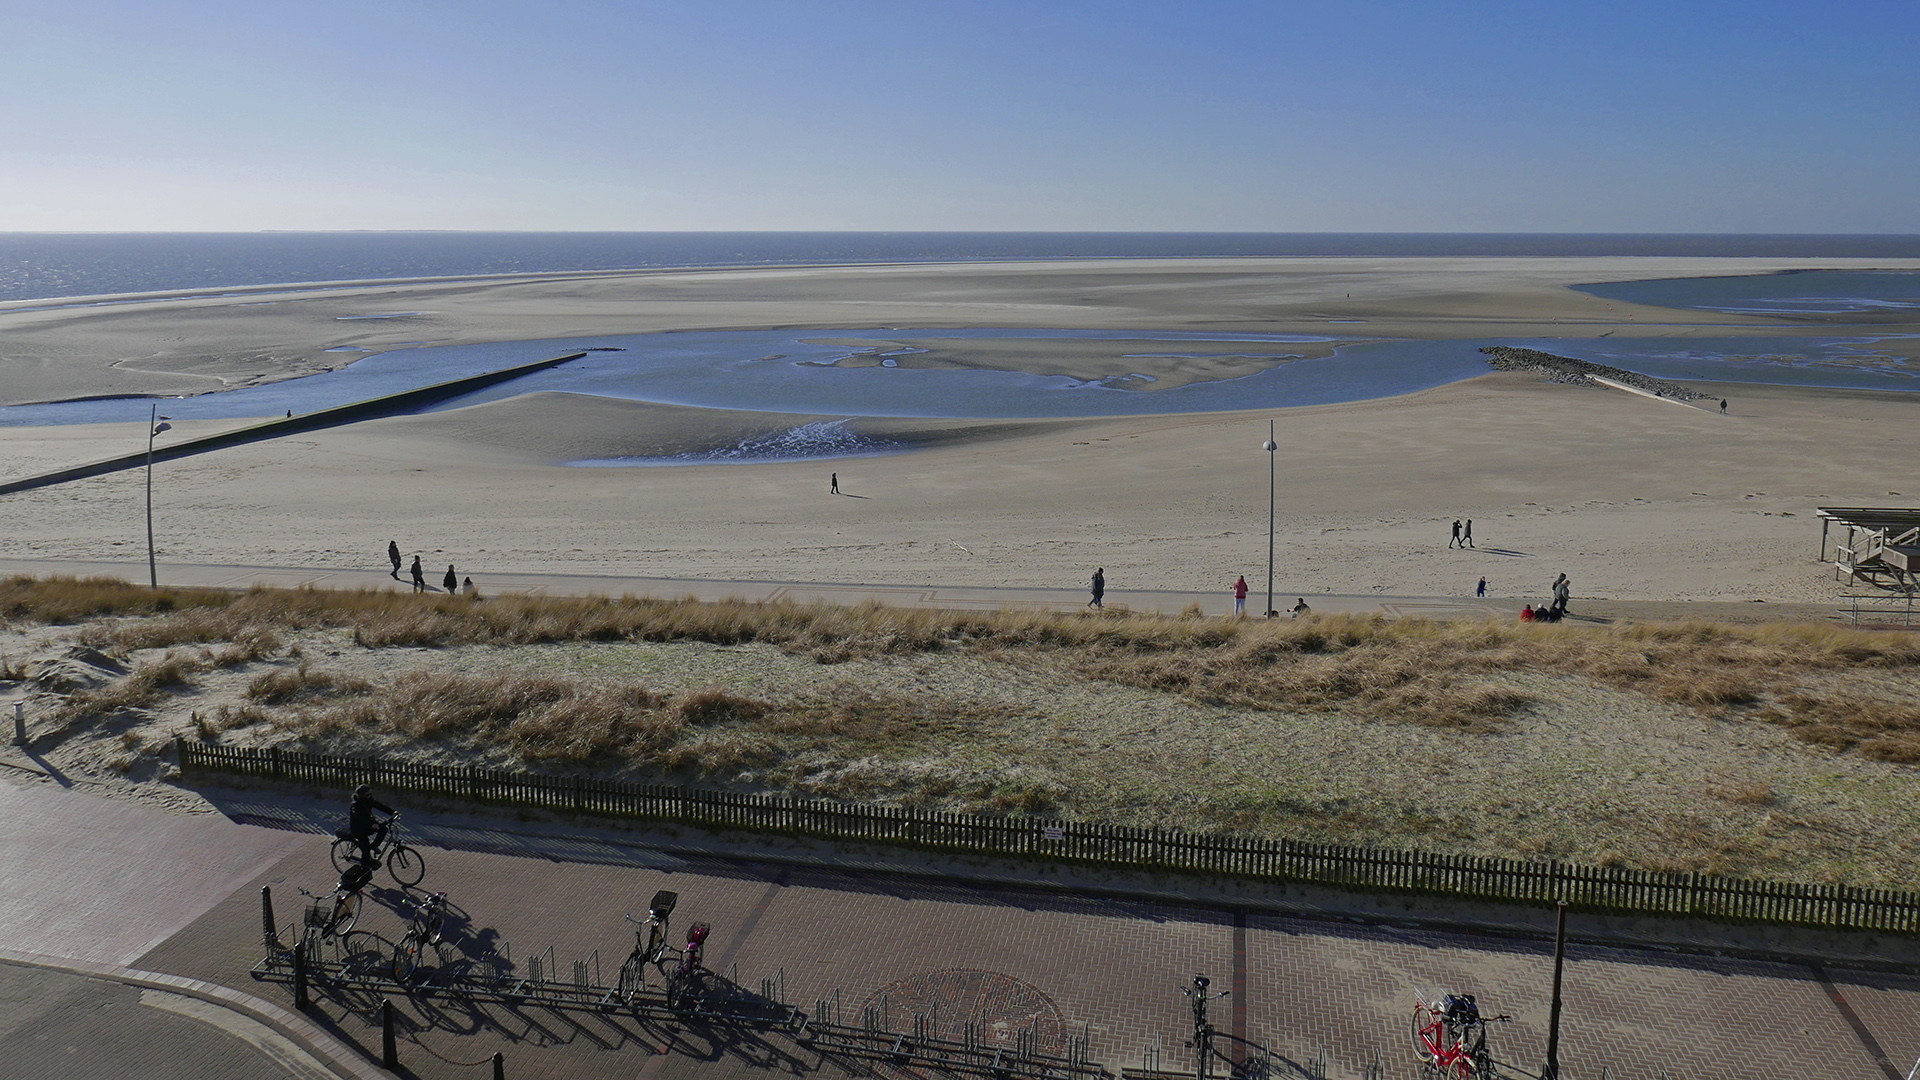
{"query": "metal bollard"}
(19, 723)
(300, 976)
(499, 1066)
(269, 935)
(389, 1053)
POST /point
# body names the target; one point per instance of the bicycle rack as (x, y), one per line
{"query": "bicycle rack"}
(334, 962)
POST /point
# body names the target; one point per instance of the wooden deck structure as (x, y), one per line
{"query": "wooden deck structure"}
(1881, 548)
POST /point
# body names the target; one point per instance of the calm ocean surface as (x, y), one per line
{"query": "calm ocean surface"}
(46, 265)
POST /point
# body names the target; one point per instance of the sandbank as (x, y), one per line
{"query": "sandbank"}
(190, 343)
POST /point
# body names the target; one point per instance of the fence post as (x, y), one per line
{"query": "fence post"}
(269, 933)
(389, 1053)
(273, 755)
(180, 752)
(19, 723)
(499, 1066)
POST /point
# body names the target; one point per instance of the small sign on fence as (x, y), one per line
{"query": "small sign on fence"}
(1054, 832)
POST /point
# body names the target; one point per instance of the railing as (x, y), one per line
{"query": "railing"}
(1542, 883)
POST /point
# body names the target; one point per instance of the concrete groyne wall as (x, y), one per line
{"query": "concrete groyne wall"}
(1566, 369)
(391, 405)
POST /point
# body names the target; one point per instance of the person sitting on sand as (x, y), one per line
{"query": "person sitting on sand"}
(467, 589)
(1526, 613)
(1300, 609)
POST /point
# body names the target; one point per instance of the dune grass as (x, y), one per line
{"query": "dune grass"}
(1415, 670)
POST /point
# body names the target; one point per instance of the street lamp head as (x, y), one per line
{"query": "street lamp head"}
(1269, 446)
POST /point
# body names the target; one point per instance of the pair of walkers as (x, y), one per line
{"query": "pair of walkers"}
(1462, 536)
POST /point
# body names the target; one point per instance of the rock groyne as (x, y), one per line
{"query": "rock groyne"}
(1566, 369)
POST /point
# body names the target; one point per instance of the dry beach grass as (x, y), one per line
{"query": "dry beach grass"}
(1686, 745)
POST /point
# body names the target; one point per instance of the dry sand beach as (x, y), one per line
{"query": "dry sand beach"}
(1633, 498)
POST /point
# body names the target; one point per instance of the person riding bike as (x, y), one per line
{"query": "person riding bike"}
(361, 824)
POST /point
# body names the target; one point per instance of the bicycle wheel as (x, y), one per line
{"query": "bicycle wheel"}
(406, 866)
(682, 987)
(1422, 1023)
(345, 854)
(406, 957)
(633, 977)
(346, 912)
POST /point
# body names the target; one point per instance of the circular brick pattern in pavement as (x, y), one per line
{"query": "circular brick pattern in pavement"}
(999, 1006)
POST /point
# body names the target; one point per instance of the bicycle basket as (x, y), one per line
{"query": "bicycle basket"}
(317, 913)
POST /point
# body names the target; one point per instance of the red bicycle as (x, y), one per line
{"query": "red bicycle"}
(1450, 1038)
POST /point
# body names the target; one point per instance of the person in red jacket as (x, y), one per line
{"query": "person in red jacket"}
(1240, 596)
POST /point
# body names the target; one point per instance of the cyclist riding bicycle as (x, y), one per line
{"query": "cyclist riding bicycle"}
(362, 827)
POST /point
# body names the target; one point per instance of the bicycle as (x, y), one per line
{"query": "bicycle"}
(427, 926)
(684, 982)
(335, 915)
(1450, 1038)
(402, 862)
(1202, 1041)
(649, 942)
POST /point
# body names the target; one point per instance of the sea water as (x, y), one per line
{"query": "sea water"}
(47, 265)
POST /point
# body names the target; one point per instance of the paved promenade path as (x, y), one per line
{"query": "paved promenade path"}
(941, 596)
(179, 895)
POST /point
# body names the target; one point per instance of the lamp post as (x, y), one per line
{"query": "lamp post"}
(154, 427)
(1270, 446)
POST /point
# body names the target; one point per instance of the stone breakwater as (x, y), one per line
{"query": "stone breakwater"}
(1566, 369)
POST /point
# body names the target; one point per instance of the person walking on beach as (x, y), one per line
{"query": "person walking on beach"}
(833, 484)
(1562, 592)
(419, 576)
(1240, 596)
(451, 582)
(1723, 406)
(1466, 534)
(393, 556)
(1455, 542)
(1482, 590)
(1099, 588)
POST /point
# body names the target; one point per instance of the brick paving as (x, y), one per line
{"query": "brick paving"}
(1110, 967)
(94, 879)
(58, 1025)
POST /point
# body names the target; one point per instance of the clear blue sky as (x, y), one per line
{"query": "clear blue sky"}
(813, 114)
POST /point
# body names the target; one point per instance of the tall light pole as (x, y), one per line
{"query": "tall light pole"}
(1270, 446)
(154, 427)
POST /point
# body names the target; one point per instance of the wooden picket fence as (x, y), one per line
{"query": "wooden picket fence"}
(1587, 888)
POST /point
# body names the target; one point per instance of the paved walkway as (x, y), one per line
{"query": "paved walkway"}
(938, 596)
(57, 1025)
(950, 950)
